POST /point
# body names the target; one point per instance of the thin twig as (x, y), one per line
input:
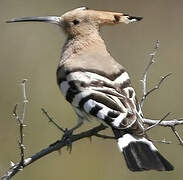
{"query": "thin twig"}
(21, 120)
(25, 101)
(51, 120)
(157, 123)
(15, 112)
(164, 141)
(177, 135)
(144, 75)
(158, 84)
(169, 123)
(61, 129)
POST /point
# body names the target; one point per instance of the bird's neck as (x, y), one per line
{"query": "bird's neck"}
(75, 46)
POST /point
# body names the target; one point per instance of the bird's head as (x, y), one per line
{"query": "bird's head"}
(82, 21)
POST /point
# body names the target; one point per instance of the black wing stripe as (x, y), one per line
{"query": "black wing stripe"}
(72, 91)
(95, 110)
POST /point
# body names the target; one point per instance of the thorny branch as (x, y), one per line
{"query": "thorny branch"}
(20, 119)
(58, 145)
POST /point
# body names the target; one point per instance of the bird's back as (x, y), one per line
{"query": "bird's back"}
(95, 70)
(94, 60)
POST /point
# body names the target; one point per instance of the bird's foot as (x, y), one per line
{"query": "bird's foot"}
(67, 137)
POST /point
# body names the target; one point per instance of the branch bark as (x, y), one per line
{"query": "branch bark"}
(56, 146)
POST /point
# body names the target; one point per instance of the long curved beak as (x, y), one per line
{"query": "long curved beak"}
(48, 19)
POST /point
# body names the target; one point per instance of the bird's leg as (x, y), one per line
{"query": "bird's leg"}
(68, 135)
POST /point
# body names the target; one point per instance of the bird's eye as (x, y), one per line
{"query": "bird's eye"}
(75, 21)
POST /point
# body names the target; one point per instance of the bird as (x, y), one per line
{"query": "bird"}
(98, 87)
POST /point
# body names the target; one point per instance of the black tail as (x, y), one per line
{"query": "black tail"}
(140, 154)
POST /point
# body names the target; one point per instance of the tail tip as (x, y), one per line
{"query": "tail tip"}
(141, 155)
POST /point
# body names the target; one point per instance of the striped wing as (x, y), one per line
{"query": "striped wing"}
(112, 101)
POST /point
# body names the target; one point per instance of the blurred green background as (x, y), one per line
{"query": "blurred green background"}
(32, 50)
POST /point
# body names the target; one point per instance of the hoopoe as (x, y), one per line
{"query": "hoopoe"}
(98, 86)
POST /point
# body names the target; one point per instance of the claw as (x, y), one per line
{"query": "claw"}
(67, 137)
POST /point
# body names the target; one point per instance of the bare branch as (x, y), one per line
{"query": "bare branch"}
(56, 146)
(51, 120)
(158, 85)
(53, 147)
(20, 119)
(104, 136)
(25, 101)
(164, 141)
(61, 129)
(177, 135)
(144, 75)
(157, 123)
(145, 92)
(87, 134)
(169, 123)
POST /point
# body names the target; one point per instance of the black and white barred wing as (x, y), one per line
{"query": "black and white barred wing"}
(112, 101)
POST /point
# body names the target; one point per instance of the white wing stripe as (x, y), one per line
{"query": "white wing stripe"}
(119, 119)
(122, 78)
(64, 86)
(89, 105)
(86, 77)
